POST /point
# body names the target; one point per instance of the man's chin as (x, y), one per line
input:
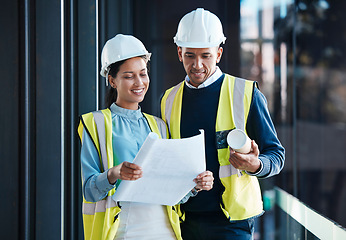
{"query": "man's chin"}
(196, 82)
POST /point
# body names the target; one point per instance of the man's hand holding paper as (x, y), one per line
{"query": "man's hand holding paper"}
(204, 181)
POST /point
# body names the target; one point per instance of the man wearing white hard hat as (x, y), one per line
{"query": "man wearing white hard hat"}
(110, 139)
(218, 103)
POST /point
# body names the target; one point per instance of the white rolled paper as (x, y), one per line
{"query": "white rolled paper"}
(239, 141)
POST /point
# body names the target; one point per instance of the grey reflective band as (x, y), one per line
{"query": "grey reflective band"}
(238, 113)
(239, 122)
(162, 127)
(227, 171)
(101, 132)
(238, 103)
(169, 102)
(90, 208)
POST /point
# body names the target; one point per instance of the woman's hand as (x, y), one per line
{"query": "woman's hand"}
(204, 181)
(124, 171)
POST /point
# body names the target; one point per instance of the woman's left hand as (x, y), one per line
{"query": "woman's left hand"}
(204, 181)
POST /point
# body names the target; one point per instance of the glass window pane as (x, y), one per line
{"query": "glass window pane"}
(298, 56)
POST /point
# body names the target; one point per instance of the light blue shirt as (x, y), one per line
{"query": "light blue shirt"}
(129, 131)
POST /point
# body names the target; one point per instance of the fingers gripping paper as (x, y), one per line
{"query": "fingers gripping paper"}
(169, 167)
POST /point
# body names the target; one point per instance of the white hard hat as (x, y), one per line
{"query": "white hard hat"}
(199, 29)
(121, 47)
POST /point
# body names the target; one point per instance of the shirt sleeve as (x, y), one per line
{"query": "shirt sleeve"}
(95, 185)
(192, 193)
(261, 129)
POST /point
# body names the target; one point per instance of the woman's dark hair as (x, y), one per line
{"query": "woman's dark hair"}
(111, 94)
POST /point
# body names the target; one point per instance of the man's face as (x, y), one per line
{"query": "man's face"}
(199, 63)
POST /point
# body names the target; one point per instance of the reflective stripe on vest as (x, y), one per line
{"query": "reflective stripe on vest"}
(225, 122)
(233, 108)
(157, 125)
(101, 131)
(99, 217)
(168, 109)
(90, 208)
(238, 104)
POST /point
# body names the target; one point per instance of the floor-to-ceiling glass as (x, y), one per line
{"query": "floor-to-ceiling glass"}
(296, 51)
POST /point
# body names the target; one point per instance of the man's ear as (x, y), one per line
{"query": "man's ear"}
(219, 54)
(180, 53)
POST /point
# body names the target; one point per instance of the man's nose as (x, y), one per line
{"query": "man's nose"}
(198, 63)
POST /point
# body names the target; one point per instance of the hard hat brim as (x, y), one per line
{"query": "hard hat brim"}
(198, 44)
(104, 69)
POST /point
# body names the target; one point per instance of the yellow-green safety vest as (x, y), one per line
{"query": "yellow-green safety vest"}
(100, 218)
(242, 196)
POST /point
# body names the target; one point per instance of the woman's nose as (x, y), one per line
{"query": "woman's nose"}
(138, 81)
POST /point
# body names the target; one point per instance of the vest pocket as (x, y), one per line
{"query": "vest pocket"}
(242, 197)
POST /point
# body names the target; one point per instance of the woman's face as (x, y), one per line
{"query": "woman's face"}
(131, 83)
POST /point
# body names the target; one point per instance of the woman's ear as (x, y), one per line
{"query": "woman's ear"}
(111, 81)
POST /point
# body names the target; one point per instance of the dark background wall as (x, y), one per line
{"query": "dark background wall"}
(9, 100)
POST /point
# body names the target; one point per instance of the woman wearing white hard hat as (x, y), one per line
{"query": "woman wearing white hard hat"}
(111, 139)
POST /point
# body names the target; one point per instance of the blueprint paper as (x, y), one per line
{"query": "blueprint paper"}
(169, 167)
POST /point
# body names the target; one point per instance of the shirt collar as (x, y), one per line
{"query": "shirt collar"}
(128, 113)
(215, 76)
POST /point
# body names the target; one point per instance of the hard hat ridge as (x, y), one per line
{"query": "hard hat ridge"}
(199, 29)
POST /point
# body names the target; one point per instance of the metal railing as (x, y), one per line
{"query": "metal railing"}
(315, 223)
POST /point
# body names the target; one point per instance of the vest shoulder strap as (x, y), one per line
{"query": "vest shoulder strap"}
(157, 125)
(98, 125)
(170, 107)
(240, 91)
